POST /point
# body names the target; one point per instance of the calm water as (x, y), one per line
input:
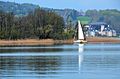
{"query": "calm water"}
(89, 61)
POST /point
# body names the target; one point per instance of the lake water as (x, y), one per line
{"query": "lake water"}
(89, 61)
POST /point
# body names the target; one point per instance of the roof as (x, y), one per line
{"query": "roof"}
(98, 23)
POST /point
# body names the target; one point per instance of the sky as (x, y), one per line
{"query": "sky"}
(74, 4)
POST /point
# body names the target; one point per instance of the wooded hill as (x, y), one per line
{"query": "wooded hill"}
(24, 9)
(39, 24)
(20, 21)
(111, 17)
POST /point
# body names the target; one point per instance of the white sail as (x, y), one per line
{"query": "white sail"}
(81, 38)
(80, 32)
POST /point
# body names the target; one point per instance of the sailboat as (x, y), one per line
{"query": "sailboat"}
(80, 35)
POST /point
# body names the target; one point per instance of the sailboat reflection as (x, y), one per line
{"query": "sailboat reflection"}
(80, 55)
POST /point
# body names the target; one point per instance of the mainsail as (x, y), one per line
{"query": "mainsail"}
(80, 32)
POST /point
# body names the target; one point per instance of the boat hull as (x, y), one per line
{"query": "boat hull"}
(80, 41)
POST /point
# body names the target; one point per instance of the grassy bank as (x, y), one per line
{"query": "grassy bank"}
(52, 42)
(35, 42)
(102, 39)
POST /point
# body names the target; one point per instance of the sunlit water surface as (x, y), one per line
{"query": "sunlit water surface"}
(89, 61)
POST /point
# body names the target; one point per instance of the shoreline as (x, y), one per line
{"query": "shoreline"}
(52, 42)
(34, 42)
(103, 40)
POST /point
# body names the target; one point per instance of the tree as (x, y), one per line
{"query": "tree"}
(39, 24)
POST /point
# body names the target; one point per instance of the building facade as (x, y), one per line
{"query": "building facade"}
(99, 29)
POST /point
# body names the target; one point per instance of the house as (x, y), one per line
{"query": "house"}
(99, 29)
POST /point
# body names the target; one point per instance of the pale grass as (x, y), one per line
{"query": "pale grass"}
(51, 41)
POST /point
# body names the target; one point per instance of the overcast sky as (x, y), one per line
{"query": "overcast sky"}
(74, 4)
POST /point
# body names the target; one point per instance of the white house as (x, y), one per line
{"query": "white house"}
(100, 29)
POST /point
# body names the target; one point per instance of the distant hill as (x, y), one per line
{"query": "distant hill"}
(17, 9)
(24, 9)
(111, 17)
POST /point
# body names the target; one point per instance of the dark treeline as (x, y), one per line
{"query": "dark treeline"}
(39, 24)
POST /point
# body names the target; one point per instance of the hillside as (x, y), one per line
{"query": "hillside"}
(111, 17)
(17, 9)
(84, 19)
(24, 9)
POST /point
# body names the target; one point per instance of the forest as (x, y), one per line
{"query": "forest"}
(39, 24)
